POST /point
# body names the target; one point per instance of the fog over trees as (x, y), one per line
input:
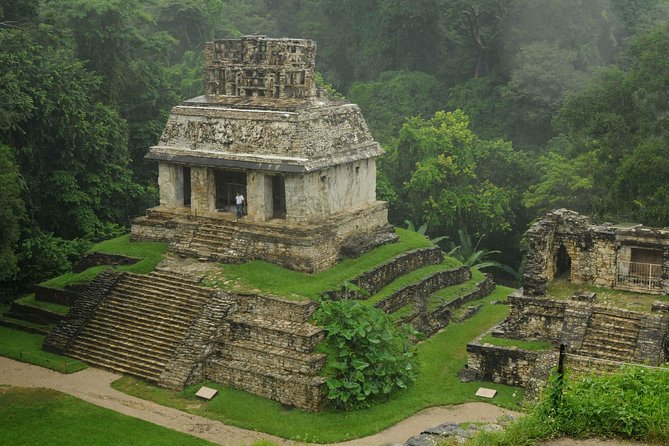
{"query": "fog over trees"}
(491, 111)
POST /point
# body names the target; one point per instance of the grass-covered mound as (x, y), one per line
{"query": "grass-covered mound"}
(439, 359)
(279, 281)
(27, 347)
(631, 404)
(149, 253)
(40, 416)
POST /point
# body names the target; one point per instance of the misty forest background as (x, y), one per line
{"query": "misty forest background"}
(491, 111)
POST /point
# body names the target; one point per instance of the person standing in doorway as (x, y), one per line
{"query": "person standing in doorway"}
(239, 199)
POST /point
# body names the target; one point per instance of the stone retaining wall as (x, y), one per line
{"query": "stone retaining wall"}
(33, 314)
(100, 258)
(502, 365)
(65, 296)
(417, 293)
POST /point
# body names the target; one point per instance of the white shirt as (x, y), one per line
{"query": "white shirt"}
(239, 199)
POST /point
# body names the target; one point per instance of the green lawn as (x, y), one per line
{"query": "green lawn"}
(440, 357)
(41, 416)
(150, 253)
(273, 279)
(27, 347)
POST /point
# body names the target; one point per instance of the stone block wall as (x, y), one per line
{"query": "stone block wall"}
(418, 293)
(501, 365)
(534, 318)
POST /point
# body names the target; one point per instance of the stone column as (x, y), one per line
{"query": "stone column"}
(203, 190)
(171, 185)
(259, 196)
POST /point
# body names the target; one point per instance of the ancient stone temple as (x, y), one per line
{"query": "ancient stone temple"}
(597, 335)
(304, 163)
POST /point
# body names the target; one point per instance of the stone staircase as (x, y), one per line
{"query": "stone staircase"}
(611, 335)
(137, 329)
(210, 241)
(268, 349)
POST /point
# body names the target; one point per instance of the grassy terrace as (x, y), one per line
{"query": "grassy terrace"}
(440, 358)
(27, 347)
(30, 301)
(564, 289)
(150, 253)
(34, 417)
(276, 280)
(447, 294)
(521, 344)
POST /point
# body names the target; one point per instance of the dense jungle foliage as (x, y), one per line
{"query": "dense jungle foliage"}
(492, 111)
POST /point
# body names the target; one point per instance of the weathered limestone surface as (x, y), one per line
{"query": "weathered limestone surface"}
(501, 365)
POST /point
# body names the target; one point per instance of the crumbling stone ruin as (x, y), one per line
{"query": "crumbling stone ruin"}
(596, 336)
(305, 164)
(628, 257)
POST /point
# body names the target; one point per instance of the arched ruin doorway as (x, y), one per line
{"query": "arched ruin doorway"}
(562, 263)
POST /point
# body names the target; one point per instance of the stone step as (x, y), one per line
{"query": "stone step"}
(133, 298)
(141, 310)
(159, 328)
(134, 354)
(160, 282)
(613, 320)
(593, 349)
(598, 335)
(103, 332)
(264, 357)
(602, 354)
(117, 364)
(169, 276)
(139, 350)
(295, 336)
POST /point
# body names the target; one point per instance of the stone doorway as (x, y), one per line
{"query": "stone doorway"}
(278, 197)
(228, 183)
(186, 186)
(562, 263)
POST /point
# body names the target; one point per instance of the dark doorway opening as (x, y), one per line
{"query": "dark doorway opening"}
(186, 186)
(562, 263)
(278, 197)
(228, 183)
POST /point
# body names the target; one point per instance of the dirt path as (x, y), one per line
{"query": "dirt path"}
(93, 385)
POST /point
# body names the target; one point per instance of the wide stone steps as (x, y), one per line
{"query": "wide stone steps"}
(611, 336)
(137, 312)
(268, 359)
(129, 298)
(126, 347)
(139, 327)
(603, 336)
(610, 354)
(116, 320)
(155, 281)
(159, 341)
(299, 337)
(118, 364)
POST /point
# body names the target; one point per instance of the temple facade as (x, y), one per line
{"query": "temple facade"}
(304, 163)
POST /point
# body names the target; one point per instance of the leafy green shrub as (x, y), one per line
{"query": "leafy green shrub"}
(369, 358)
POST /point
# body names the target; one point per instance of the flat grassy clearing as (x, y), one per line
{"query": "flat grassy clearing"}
(150, 253)
(276, 280)
(41, 416)
(27, 347)
(440, 358)
(563, 289)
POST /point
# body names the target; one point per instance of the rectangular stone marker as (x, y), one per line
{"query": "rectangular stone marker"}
(486, 393)
(206, 392)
